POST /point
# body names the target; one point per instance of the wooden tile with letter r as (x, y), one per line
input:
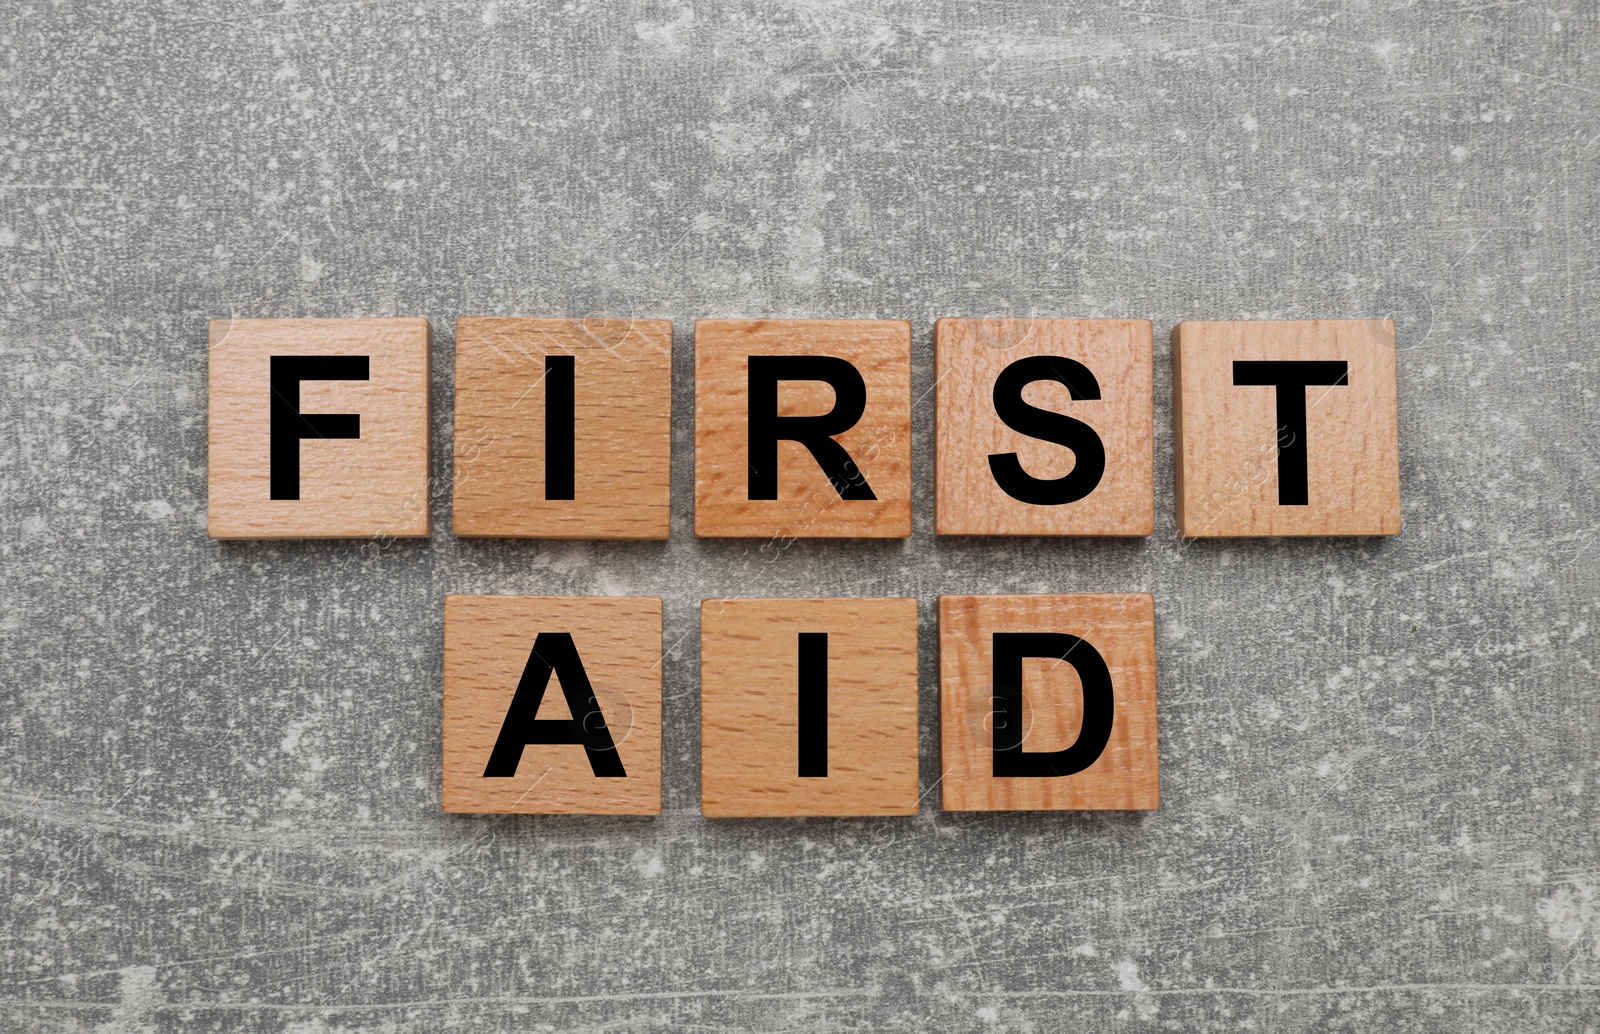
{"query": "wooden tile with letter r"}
(552, 705)
(318, 429)
(808, 707)
(1044, 427)
(1286, 427)
(802, 428)
(563, 428)
(1048, 703)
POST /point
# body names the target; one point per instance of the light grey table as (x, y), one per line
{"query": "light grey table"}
(219, 763)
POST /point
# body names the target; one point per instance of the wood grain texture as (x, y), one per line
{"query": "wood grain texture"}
(972, 353)
(807, 506)
(622, 394)
(749, 707)
(372, 486)
(487, 640)
(1225, 435)
(1121, 627)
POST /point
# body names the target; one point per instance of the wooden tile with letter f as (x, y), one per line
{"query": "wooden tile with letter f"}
(802, 428)
(318, 429)
(1048, 703)
(808, 707)
(552, 705)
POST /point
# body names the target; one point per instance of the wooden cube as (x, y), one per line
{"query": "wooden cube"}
(563, 428)
(552, 705)
(1286, 427)
(1048, 703)
(318, 429)
(808, 707)
(1044, 427)
(803, 428)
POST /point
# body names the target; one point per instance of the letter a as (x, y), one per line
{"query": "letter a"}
(554, 652)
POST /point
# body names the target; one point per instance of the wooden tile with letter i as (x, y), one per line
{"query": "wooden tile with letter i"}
(802, 428)
(318, 429)
(1286, 427)
(552, 705)
(1044, 427)
(1048, 703)
(563, 428)
(808, 707)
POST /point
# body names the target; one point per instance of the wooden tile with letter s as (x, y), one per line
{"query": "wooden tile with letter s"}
(1286, 427)
(317, 428)
(1048, 703)
(802, 428)
(563, 428)
(808, 707)
(552, 705)
(1044, 427)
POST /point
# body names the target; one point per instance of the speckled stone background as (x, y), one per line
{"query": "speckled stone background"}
(219, 763)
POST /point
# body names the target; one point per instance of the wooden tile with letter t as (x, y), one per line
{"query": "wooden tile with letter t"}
(1285, 427)
(1048, 703)
(802, 428)
(1044, 427)
(318, 429)
(552, 705)
(808, 707)
(563, 428)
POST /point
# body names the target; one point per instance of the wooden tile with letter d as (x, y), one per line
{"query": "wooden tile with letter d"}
(1048, 703)
(552, 705)
(808, 707)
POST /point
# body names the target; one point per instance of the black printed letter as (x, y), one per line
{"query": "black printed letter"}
(816, 433)
(554, 652)
(1098, 704)
(287, 425)
(813, 704)
(1291, 377)
(560, 450)
(1088, 451)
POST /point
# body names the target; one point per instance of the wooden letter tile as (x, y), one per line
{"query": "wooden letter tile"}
(802, 428)
(1044, 427)
(1048, 703)
(552, 705)
(318, 429)
(808, 707)
(563, 428)
(1286, 427)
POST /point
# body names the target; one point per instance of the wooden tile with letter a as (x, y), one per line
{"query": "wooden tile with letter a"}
(1285, 427)
(808, 707)
(802, 428)
(1044, 427)
(318, 429)
(563, 428)
(552, 705)
(1048, 703)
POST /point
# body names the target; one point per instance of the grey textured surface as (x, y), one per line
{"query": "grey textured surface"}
(218, 787)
